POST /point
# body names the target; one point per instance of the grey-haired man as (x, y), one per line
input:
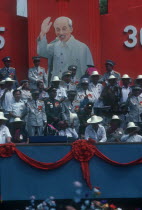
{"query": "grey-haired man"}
(65, 50)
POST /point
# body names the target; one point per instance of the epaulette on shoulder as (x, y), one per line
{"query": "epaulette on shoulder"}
(116, 72)
(12, 67)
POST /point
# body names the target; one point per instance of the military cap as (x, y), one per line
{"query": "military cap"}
(7, 58)
(36, 58)
(66, 73)
(71, 92)
(112, 63)
(84, 80)
(72, 67)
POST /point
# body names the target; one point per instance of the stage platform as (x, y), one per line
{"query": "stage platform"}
(19, 181)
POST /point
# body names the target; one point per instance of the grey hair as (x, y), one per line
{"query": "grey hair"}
(61, 18)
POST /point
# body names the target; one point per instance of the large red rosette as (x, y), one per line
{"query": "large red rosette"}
(7, 150)
(83, 151)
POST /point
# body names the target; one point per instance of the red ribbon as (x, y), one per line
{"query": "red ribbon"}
(82, 151)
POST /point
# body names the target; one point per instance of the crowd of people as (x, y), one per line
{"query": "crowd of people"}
(105, 108)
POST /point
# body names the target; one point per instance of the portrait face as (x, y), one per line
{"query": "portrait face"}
(63, 30)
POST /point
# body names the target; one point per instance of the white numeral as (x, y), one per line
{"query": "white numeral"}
(2, 42)
(132, 37)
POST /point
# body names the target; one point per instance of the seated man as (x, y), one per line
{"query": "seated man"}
(131, 133)
(18, 132)
(65, 130)
(134, 104)
(114, 131)
(5, 136)
(94, 130)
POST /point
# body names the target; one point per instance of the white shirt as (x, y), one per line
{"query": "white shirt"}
(4, 134)
(61, 93)
(82, 93)
(134, 138)
(18, 109)
(99, 136)
(8, 100)
(96, 89)
(125, 93)
(69, 132)
(1, 92)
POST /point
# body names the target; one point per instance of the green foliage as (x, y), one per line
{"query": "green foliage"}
(103, 7)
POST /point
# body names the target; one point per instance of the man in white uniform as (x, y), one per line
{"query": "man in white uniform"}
(5, 136)
(94, 130)
(65, 50)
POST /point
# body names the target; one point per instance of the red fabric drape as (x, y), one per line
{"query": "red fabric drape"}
(82, 151)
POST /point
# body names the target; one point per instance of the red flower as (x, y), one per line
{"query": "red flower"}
(89, 95)
(7, 150)
(83, 150)
(11, 75)
(39, 108)
(40, 73)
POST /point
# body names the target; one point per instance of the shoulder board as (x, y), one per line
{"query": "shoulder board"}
(116, 72)
(12, 67)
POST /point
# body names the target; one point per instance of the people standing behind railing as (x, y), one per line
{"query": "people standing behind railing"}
(5, 136)
(8, 71)
(52, 107)
(61, 91)
(36, 115)
(126, 88)
(7, 98)
(25, 90)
